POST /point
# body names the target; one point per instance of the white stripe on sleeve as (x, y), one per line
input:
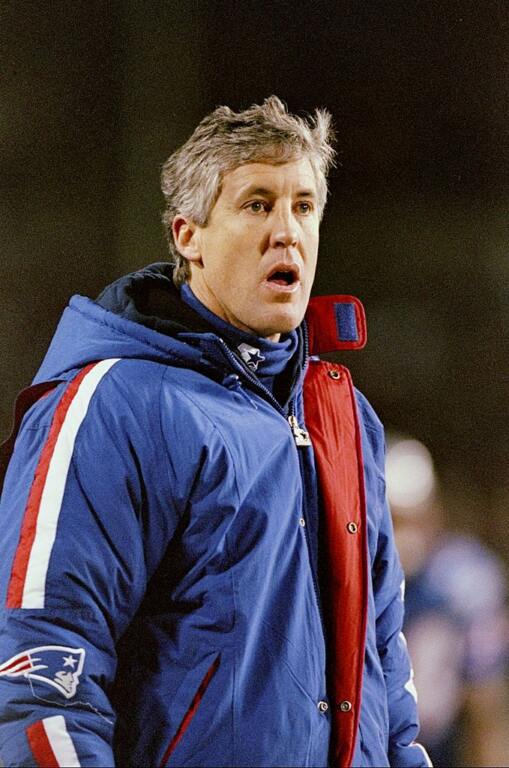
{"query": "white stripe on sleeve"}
(425, 754)
(60, 741)
(56, 478)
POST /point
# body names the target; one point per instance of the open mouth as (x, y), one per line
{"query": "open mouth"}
(283, 276)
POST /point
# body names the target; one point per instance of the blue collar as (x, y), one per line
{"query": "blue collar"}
(265, 358)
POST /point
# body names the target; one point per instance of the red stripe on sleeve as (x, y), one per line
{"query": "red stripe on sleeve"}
(40, 746)
(29, 524)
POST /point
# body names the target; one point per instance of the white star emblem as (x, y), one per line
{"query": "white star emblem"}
(70, 661)
(251, 356)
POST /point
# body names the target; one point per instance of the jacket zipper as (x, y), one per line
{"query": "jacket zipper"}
(300, 436)
(313, 574)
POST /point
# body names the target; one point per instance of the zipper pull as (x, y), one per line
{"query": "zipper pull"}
(300, 435)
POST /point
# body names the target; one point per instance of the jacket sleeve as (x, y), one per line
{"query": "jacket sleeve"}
(78, 547)
(389, 586)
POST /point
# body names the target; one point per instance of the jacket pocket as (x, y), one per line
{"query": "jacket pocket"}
(191, 711)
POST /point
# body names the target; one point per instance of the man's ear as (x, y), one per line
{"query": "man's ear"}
(186, 237)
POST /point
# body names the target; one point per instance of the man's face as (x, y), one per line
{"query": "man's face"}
(254, 262)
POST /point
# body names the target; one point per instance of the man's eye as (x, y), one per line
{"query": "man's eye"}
(257, 206)
(304, 207)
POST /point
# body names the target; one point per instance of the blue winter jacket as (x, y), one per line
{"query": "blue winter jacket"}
(160, 603)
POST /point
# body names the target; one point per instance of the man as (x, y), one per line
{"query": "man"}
(199, 566)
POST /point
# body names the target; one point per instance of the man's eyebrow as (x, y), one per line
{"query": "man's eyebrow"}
(252, 190)
(265, 192)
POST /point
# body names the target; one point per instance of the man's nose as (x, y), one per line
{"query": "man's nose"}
(284, 231)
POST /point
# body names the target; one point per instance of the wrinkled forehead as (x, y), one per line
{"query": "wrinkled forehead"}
(295, 177)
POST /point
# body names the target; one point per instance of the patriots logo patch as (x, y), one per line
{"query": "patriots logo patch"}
(54, 665)
(251, 356)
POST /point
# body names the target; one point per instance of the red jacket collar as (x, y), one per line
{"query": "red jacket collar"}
(334, 323)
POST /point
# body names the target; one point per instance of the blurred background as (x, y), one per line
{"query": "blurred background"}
(96, 95)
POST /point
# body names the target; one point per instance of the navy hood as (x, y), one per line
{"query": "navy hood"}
(140, 315)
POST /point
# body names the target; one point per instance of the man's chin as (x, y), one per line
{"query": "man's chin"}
(283, 321)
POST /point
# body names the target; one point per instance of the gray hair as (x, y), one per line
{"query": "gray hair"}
(191, 177)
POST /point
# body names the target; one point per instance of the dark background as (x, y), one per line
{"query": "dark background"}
(95, 96)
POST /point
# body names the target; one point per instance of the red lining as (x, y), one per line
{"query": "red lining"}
(331, 418)
(29, 524)
(364, 556)
(193, 707)
(40, 746)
